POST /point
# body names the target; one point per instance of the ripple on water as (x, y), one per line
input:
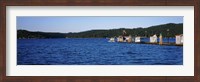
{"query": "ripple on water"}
(94, 52)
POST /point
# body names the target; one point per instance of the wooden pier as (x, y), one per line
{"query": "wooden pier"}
(164, 44)
(153, 40)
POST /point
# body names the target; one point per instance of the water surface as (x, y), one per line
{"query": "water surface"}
(95, 51)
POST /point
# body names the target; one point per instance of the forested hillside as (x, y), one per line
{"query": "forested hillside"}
(167, 30)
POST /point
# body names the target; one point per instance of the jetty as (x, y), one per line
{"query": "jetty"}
(124, 38)
(164, 44)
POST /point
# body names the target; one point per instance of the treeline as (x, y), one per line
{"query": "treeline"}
(22, 34)
(167, 30)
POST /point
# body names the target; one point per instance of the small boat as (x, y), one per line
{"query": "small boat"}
(112, 40)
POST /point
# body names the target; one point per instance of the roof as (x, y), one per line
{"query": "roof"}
(179, 35)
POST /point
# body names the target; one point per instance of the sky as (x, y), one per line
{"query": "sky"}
(65, 24)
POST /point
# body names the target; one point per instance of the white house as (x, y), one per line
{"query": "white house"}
(179, 39)
(137, 39)
(153, 39)
(120, 39)
(129, 39)
(124, 38)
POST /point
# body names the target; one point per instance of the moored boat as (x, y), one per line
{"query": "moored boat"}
(112, 40)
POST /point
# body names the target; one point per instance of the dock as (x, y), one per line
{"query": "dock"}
(164, 44)
(154, 40)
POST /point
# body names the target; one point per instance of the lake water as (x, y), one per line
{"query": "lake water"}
(95, 51)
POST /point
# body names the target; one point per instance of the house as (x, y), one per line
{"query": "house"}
(137, 39)
(129, 39)
(179, 39)
(120, 39)
(153, 39)
(125, 39)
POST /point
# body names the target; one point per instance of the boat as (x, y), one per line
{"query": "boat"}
(112, 40)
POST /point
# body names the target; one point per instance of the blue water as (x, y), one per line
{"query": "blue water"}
(165, 40)
(96, 51)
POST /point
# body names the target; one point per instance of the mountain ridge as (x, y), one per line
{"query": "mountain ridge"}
(167, 30)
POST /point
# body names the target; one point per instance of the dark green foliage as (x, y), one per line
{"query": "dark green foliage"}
(174, 29)
(27, 34)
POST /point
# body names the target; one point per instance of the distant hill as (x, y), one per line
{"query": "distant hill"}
(174, 29)
(29, 34)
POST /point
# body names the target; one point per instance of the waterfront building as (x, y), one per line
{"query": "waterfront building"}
(137, 39)
(153, 39)
(179, 39)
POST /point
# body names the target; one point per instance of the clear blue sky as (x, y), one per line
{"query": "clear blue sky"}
(65, 24)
